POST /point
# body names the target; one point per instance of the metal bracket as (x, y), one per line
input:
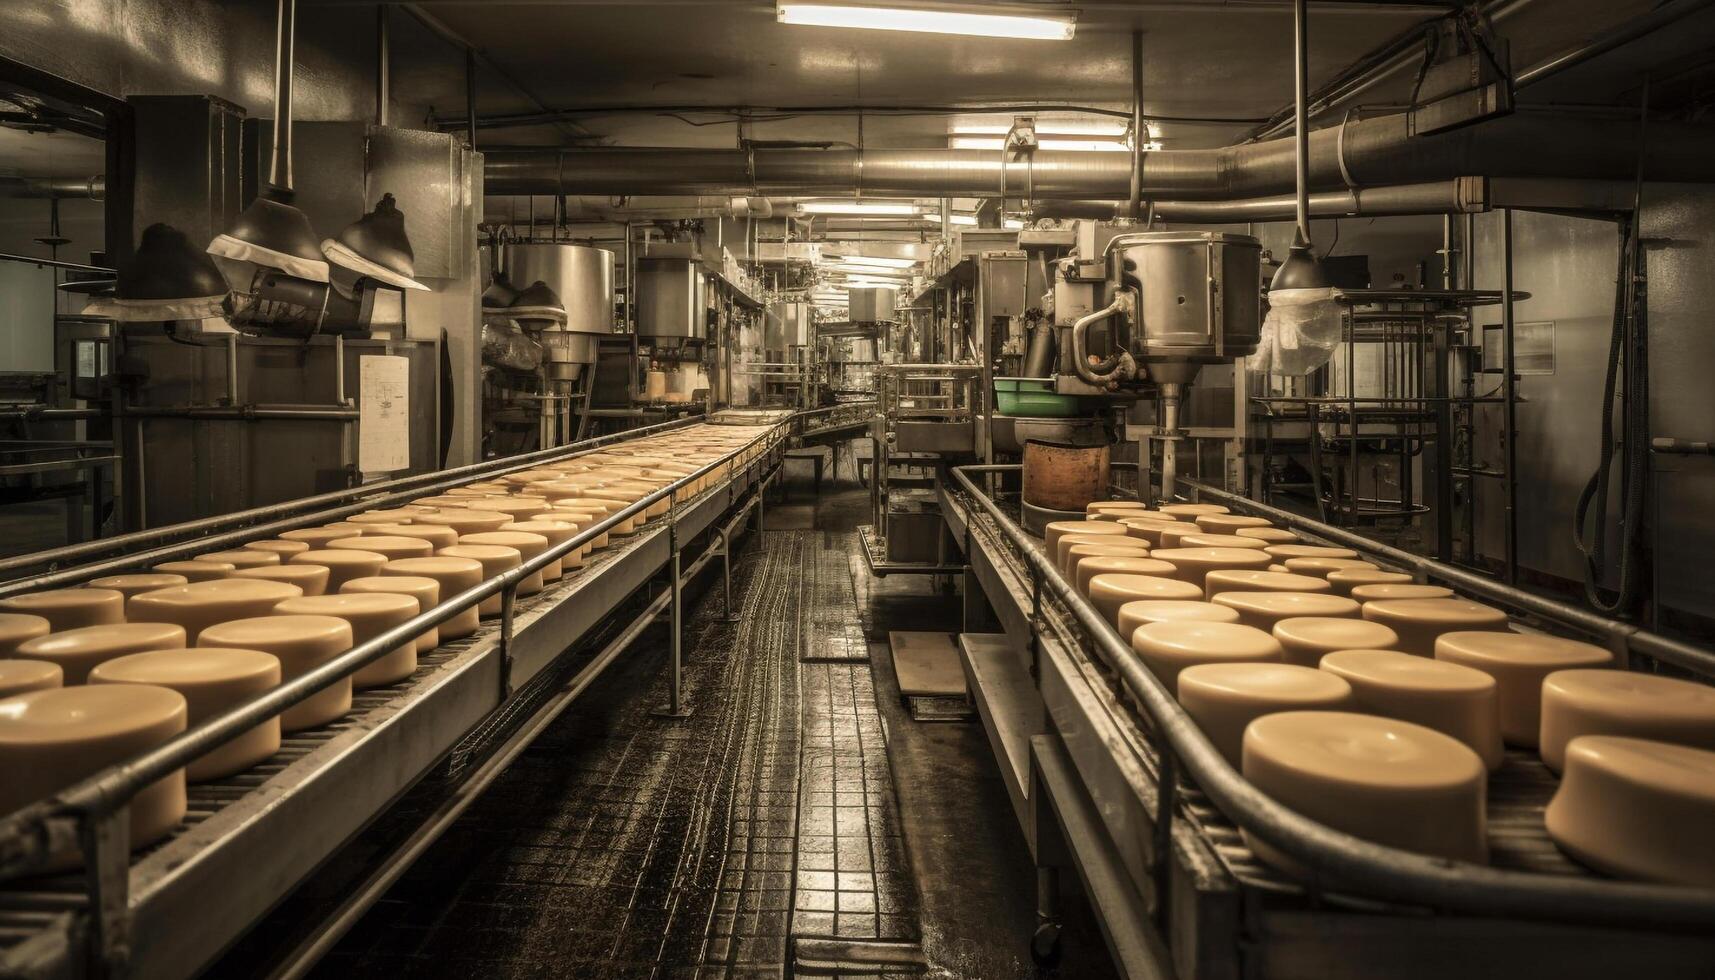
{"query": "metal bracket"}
(106, 841)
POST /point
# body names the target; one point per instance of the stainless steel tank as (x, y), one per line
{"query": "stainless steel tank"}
(871, 305)
(580, 275)
(787, 325)
(1199, 294)
(670, 300)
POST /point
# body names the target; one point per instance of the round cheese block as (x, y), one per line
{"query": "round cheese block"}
(347, 529)
(243, 557)
(1228, 523)
(1089, 568)
(425, 590)
(1264, 609)
(453, 575)
(1056, 530)
(1113, 510)
(1272, 535)
(386, 545)
(195, 569)
(1251, 580)
(1149, 529)
(370, 614)
(495, 559)
(632, 491)
(1305, 640)
(23, 676)
(343, 564)
(1143, 611)
(1175, 537)
(130, 585)
(1062, 553)
(1381, 779)
(1321, 567)
(438, 535)
(1454, 700)
(526, 544)
(1169, 647)
(68, 609)
(1344, 580)
(1419, 621)
(55, 738)
(315, 537)
(1628, 807)
(213, 680)
(1400, 590)
(557, 532)
(1284, 551)
(1194, 564)
(1223, 699)
(199, 605)
(1623, 702)
(15, 628)
(1076, 553)
(1219, 541)
(379, 517)
(284, 548)
(301, 644)
(1192, 511)
(1519, 662)
(79, 651)
(1107, 593)
(580, 520)
(600, 509)
(519, 508)
(313, 579)
(465, 521)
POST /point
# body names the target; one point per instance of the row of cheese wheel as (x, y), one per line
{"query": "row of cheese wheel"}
(1377, 705)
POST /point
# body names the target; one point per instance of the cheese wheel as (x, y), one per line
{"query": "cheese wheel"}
(199, 605)
(1217, 541)
(466, 521)
(1322, 567)
(285, 549)
(315, 537)
(1628, 807)
(519, 508)
(1453, 700)
(312, 579)
(1623, 702)
(54, 738)
(1143, 611)
(526, 544)
(1150, 529)
(1519, 662)
(1344, 580)
(301, 644)
(213, 680)
(1228, 523)
(601, 509)
(1419, 621)
(1273, 535)
(438, 535)
(1076, 554)
(130, 585)
(69, 609)
(427, 592)
(1056, 530)
(1384, 780)
(494, 559)
(23, 676)
(379, 517)
(581, 520)
(1113, 510)
(1305, 640)
(454, 575)
(1192, 510)
(1089, 568)
(1107, 593)
(1400, 590)
(1194, 564)
(1223, 699)
(1169, 647)
(79, 651)
(343, 564)
(1062, 552)
(16, 628)
(1264, 609)
(370, 614)
(1174, 537)
(557, 532)
(242, 557)
(1251, 580)
(386, 545)
(195, 569)
(1285, 551)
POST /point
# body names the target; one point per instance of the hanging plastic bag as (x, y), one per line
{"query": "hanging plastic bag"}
(1301, 330)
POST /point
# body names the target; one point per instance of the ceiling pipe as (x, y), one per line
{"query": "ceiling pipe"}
(94, 188)
(1359, 153)
(1461, 195)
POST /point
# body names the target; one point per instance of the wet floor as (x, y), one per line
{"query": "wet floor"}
(798, 803)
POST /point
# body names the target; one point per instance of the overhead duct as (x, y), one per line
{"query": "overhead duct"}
(651, 208)
(1358, 153)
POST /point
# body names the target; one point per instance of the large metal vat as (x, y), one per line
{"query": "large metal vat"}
(580, 275)
(670, 304)
(871, 305)
(1198, 294)
(787, 325)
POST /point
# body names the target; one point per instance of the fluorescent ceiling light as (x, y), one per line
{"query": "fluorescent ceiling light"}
(896, 208)
(1011, 20)
(999, 143)
(877, 260)
(969, 220)
(1044, 127)
(1012, 224)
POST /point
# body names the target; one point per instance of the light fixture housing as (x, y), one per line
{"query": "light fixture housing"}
(880, 261)
(866, 208)
(1018, 21)
(1076, 145)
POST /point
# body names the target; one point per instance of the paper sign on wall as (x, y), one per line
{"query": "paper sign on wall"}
(384, 414)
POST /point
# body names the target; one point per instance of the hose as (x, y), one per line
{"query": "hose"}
(1116, 367)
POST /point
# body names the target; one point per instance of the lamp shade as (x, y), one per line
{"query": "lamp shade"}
(538, 302)
(375, 246)
(270, 233)
(168, 278)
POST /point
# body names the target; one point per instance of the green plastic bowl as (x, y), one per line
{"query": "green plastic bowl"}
(1035, 398)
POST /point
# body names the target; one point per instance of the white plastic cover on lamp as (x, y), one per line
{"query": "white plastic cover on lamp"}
(1301, 330)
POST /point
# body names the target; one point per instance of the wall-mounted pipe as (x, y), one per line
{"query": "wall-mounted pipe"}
(94, 188)
(1358, 153)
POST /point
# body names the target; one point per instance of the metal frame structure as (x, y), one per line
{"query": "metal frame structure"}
(125, 913)
(1121, 785)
